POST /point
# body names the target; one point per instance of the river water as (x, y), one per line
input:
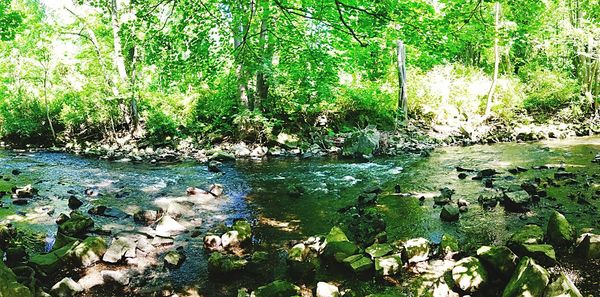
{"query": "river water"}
(259, 191)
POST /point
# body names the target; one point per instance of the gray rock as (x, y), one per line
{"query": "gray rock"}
(416, 250)
(115, 277)
(589, 246)
(327, 290)
(119, 248)
(562, 287)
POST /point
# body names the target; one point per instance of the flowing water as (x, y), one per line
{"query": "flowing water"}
(259, 191)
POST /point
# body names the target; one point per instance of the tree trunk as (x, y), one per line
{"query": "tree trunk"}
(488, 106)
(402, 100)
(45, 67)
(118, 49)
(262, 86)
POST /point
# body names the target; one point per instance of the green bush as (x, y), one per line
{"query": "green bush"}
(548, 90)
(23, 120)
(367, 104)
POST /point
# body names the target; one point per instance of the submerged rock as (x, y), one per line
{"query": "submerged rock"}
(469, 274)
(25, 192)
(516, 201)
(77, 225)
(529, 279)
(146, 217)
(74, 203)
(499, 258)
(450, 213)
(559, 231)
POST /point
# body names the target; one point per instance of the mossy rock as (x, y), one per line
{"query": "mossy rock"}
(388, 265)
(528, 234)
(359, 263)
(278, 288)
(559, 231)
(52, 262)
(9, 285)
(499, 258)
(416, 250)
(89, 251)
(379, 250)
(223, 264)
(77, 225)
(541, 253)
(529, 279)
(449, 244)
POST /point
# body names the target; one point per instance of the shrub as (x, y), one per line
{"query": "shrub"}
(23, 120)
(548, 90)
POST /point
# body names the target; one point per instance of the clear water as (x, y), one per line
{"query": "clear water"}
(258, 191)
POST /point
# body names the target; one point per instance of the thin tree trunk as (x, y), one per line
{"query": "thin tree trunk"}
(488, 106)
(118, 49)
(402, 100)
(45, 67)
(262, 86)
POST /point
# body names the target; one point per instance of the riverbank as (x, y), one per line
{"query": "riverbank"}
(417, 137)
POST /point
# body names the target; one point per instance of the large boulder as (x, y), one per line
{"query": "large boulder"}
(589, 246)
(449, 213)
(562, 287)
(120, 247)
(469, 274)
(362, 143)
(529, 279)
(9, 285)
(167, 226)
(559, 231)
(89, 251)
(77, 225)
(499, 258)
(416, 250)
(278, 288)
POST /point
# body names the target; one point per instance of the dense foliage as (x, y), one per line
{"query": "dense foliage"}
(164, 70)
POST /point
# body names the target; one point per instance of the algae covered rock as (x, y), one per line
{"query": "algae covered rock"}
(223, 264)
(529, 279)
(77, 225)
(51, 262)
(528, 234)
(469, 274)
(450, 213)
(174, 259)
(89, 251)
(379, 250)
(244, 230)
(362, 143)
(541, 253)
(559, 231)
(359, 263)
(338, 246)
(278, 288)
(9, 285)
(499, 258)
(449, 245)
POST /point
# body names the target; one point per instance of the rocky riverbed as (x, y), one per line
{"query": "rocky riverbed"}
(459, 221)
